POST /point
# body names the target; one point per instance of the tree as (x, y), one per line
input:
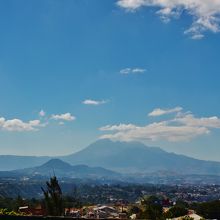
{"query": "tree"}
(19, 202)
(135, 210)
(176, 211)
(53, 197)
(152, 209)
(209, 210)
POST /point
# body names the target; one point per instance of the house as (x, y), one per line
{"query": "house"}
(106, 212)
(36, 211)
(25, 209)
(73, 212)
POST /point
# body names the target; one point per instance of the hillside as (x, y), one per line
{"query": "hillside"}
(63, 169)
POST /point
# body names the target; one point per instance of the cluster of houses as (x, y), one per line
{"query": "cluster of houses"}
(96, 212)
(90, 212)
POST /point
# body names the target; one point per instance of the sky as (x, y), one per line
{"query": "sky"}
(76, 71)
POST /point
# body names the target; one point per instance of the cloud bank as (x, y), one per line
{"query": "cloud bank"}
(183, 127)
(19, 125)
(205, 13)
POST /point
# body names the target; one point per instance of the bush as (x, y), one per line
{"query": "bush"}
(176, 211)
(6, 212)
(209, 210)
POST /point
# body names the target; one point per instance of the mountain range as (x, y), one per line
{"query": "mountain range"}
(113, 158)
(63, 170)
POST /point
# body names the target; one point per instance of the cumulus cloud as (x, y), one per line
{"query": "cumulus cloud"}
(157, 131)
(191, 120)
(19, 125)
(183, 127)
(127, 71)
(64, 117)
(205, 13)
(94, 102)
(159, 111)
(32, 125)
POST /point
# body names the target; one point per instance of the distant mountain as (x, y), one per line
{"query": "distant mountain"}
(137, 158)
(63, 169)
(123, 157)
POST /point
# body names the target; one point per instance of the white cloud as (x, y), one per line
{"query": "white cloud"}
(120, 127)
(94, 102)
(32, 125)
(42, 113)
(127, 71)
(183, 127)
(159, 111)
(205, 13)
(64, 117)
(157, 131)
(138, 70)
(19, 125)
(191, 120)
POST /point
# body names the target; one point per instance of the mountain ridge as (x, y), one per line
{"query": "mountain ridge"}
(122, 157)
(127, 157)
(62, 170)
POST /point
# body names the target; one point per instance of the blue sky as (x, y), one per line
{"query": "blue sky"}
(99, 68)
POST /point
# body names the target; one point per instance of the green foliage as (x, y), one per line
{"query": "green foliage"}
(151, 208)
(134, 210)
(6, 212)
(53, 198)
(73, 200)
(187, 218)
(176, 211)
(8, 203)
(209, 210)
(12, 204)
(70, 202)
(181, 203)
(19, 202)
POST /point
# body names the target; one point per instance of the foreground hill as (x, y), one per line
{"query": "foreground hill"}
(62, 170)
(136, 157)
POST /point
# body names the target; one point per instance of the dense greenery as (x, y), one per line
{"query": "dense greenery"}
(7, 212)
(187, 218)
(209, 210)
(70, 201)
(53, 198)
(151, 208)
(176, 211)
(12, 204)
